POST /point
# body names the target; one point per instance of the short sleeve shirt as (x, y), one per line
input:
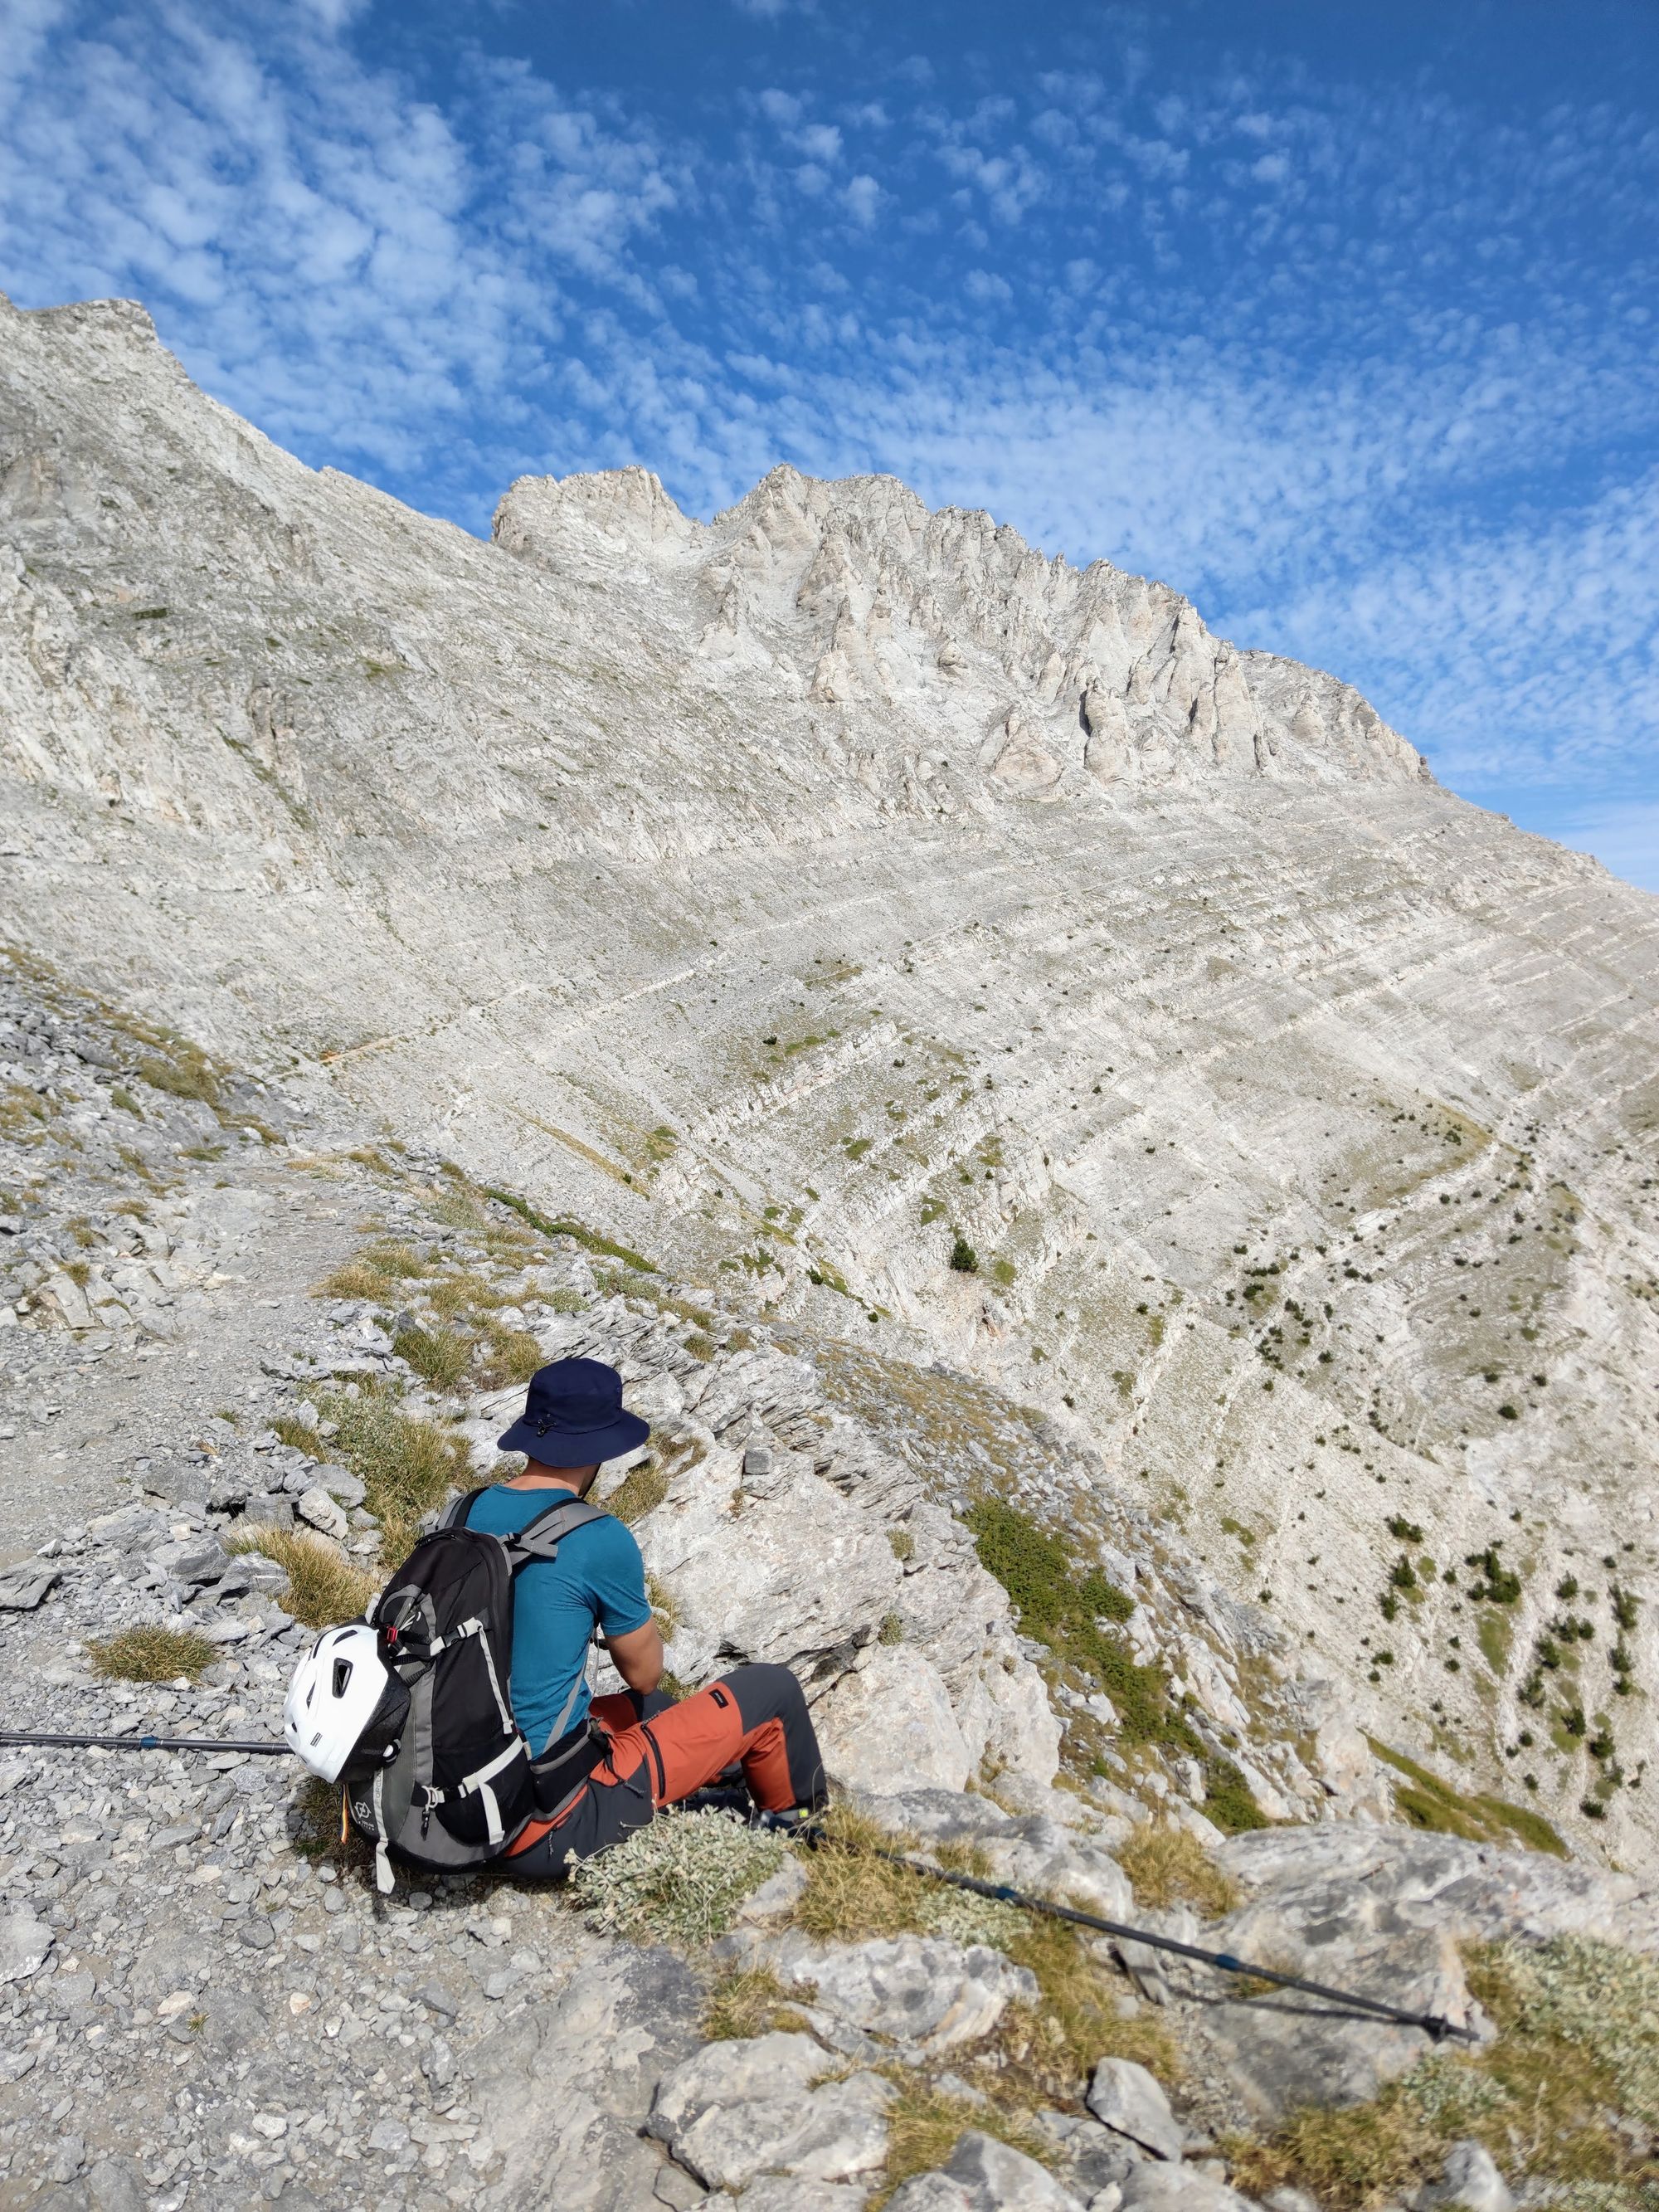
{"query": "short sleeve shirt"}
(597, 1581)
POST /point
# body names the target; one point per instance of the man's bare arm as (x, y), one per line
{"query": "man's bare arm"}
(637, 1656)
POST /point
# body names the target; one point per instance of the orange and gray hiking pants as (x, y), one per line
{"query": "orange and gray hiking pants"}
(659, 1751)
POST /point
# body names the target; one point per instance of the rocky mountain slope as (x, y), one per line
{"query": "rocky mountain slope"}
(204, 1999)
(811, 897)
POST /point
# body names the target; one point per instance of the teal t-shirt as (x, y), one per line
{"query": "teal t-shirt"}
(599, 1578)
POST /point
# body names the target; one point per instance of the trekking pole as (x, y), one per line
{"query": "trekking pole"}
(1434, 2025)
(11, 1739)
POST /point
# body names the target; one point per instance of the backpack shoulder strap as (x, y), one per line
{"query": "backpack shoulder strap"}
(540, 1539)
(454, 1514)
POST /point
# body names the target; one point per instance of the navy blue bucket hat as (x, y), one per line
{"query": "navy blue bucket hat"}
(573, 1416)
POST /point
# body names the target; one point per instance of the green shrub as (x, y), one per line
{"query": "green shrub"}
(678, 1881)
(1228, 1799)
(964, 1258)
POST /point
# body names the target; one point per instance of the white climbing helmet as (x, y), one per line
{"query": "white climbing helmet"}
(337, 1691)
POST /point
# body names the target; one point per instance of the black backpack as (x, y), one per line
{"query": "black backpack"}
(444, 1778)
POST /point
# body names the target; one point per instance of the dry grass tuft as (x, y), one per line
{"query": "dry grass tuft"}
(510, 1355)
(850, 1894)
(641, 1489)
(324, 1587)
(407, 1465)
(464, 1292)
(439, 1356)
(749, 2001)
(154, 1654)
(924, 2124)
(1166, 1867)
(376, 1273)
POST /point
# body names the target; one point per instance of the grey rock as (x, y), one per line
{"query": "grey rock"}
(269, 1513)
(316, 1506)
(22, 1589)
(930, 2192)
(779, 2193)
(25, 1945)
(1470, 2180)
(341, 1484)
(115, 2185)
(1095, 2157)
(1125, 2098)
(994, 2177)
(914, 1990)
(1155, 2187)
(775, 1898)
(128, 1528)
(738, 2110)
(191, 1559)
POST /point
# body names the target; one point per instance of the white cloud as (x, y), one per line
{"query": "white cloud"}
(982, 285)
(863, 197)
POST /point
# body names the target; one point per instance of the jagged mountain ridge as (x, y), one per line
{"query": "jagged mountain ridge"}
(793, 894)
(857, 589)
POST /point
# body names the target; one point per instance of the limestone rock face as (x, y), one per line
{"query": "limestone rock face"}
(808, 895)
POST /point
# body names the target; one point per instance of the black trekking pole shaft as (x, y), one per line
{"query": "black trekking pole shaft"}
(12, 1738)
(1433, 2024)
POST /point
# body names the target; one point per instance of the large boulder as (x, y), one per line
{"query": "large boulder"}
(735, 2110)
(915, 1991)
(889, 1726)
(799, 1576)
(984, 2175)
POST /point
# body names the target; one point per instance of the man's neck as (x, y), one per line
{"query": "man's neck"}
(536, 1476)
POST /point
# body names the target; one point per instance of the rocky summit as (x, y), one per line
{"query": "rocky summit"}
(1128, 1208)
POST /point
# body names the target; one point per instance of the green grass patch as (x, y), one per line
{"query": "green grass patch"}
(1430, 1803)
(1228, 1801)
(577, 1231)
(1064, 1609)
(439, 1356)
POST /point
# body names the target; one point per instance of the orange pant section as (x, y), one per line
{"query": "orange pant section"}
(691, 1742)
(754, 1718)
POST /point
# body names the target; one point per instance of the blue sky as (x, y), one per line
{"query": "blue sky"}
(1340, 317)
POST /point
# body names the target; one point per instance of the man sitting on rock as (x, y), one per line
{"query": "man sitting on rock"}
(611, 1762)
